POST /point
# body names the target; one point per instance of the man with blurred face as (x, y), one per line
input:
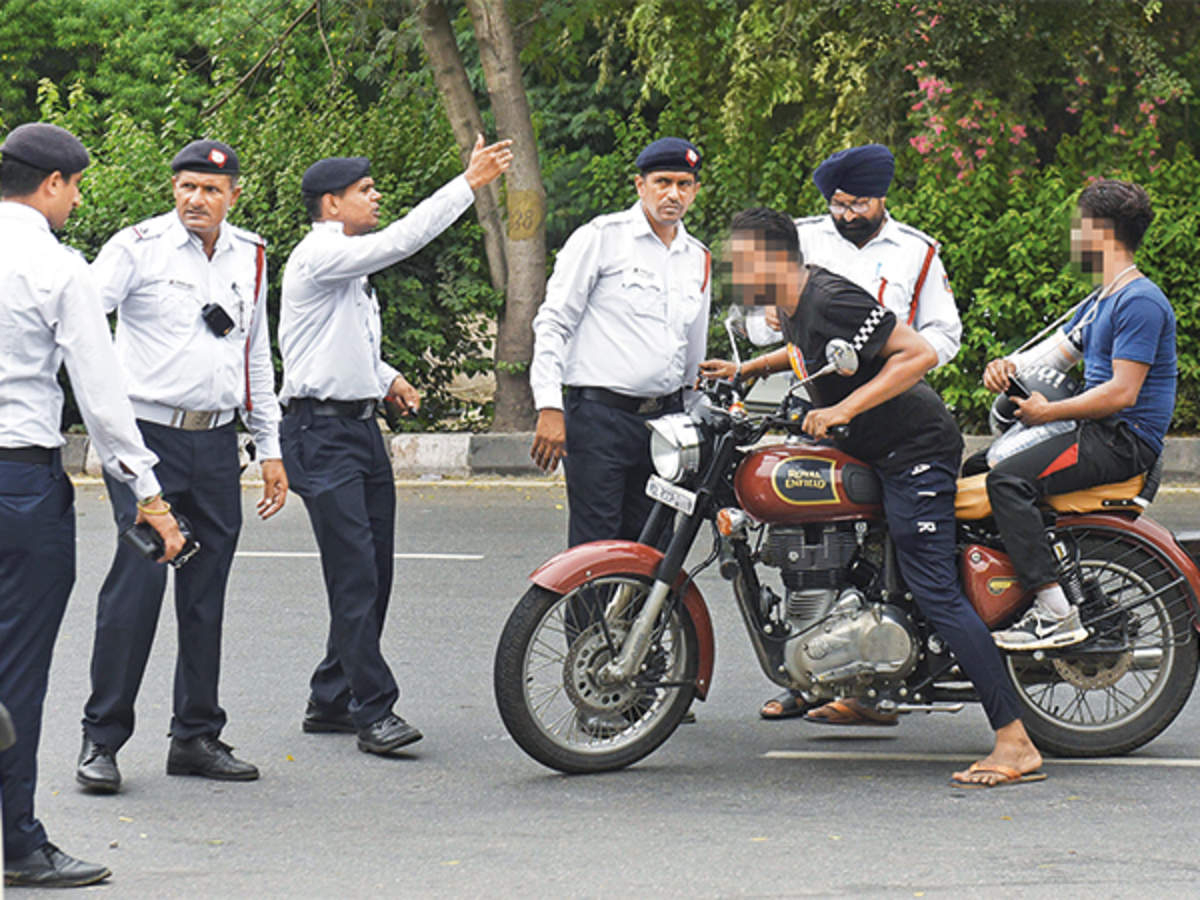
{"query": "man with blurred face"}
(333, 378)
(51, 315)
(623, 329)
(897, 265)
(1125, 335)
(189, 290)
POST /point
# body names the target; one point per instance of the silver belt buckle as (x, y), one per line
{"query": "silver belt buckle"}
(198, 420)
(649, 405)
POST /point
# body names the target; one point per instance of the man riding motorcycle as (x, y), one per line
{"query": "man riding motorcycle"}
(1125, 334)
(897, 424)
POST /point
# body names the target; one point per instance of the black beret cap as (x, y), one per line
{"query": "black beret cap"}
(864, 171)
(206, 156)
(333, 173)
(46, 147)
(670, 154)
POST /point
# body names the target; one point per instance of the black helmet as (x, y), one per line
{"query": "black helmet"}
(1049, 382)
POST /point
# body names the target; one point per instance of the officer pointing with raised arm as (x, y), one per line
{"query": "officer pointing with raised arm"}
(49, 314)
(333, 376)
(189, 290)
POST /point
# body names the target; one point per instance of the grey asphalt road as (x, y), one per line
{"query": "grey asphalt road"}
(730, 806)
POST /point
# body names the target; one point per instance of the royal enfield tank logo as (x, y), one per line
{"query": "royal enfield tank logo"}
(997, 586)
(803, 480)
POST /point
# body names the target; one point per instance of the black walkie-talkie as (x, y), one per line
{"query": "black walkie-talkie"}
(146, 541)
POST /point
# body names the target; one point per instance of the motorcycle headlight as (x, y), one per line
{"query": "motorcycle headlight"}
(675, 444)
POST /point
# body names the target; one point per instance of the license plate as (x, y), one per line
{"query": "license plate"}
(671, 494)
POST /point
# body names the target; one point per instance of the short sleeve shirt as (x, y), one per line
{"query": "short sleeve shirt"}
(910, 428)
(1135, 323)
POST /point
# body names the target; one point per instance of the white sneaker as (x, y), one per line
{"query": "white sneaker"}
(1038, 630)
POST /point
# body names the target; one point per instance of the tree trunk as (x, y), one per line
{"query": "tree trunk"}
(437, 36)
(526, 237)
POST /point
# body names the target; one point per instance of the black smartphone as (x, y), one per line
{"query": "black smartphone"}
(1016, 388)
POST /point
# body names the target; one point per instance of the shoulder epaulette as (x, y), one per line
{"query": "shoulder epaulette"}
(150, 228)
(809, 220)
(916, 232)
(246, 235)
(609, 219)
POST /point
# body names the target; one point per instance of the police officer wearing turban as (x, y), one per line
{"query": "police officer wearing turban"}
(49, 314)
(333, 377)
(901, 268)
(190, 294)
(623, 329)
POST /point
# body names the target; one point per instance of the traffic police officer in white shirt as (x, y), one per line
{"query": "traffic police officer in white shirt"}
(897, 265)
(190, 294)
(624, 327)
(49, 314)
(333, 376)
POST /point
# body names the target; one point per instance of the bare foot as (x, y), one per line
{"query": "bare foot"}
(1014, 753)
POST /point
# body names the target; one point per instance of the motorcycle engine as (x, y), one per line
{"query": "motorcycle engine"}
(838, 635)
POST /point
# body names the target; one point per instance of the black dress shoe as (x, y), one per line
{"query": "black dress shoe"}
(209, 757)
(97, 770)
(48, 866)
(322, 719)
(387, 734)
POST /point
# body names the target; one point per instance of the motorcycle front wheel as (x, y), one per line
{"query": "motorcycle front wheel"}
(547, 679)
(1120, 689)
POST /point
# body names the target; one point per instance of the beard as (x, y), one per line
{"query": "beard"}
(858, 230)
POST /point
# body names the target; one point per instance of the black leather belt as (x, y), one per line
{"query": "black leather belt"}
(642, 406)
(41, 456)
(343, 409)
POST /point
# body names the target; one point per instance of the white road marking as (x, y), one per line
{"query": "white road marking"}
(864, 756)
(312, 554)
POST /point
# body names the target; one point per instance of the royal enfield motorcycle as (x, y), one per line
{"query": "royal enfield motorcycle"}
(608, 648)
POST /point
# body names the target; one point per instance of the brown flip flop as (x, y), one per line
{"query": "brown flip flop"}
(840, 712)
(1007, 776)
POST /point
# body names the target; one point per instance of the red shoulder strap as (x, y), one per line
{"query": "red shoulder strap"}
(707, 269)
(912, 308)
(260, 259)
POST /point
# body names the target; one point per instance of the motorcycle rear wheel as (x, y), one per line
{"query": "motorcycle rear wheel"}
(1091, 704)
(549, 697)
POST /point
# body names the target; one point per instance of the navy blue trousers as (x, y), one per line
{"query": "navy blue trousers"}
(342, 471)
(200, 478)
(919, 505)
(37, 571)
(607, 465)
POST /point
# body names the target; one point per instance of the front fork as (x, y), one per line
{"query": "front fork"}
(637, 641)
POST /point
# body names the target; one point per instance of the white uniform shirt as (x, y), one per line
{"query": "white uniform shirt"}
(329, 318)
(49, 314)
(623, 311)
(158, 278)
(888, 267)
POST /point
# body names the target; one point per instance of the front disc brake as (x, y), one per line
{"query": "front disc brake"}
(589, 653)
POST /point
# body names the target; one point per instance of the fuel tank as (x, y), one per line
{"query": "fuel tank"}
(797, 483)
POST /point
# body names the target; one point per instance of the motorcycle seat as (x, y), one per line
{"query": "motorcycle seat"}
(972, 503)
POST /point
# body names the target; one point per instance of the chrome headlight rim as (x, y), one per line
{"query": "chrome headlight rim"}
(675, 446)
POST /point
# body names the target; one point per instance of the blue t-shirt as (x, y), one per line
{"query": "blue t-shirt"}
(1135, 323)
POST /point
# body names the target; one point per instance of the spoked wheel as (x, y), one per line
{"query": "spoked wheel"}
(552, 695)
(1122, 687)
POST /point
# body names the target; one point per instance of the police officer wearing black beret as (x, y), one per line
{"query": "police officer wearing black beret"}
(623, 329)
(333, 377)
(189, 290)
(50, 309)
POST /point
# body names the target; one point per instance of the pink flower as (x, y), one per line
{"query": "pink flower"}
(921, 143)
(908, 68)
(1080, 80)
(980, 153)
(933, 23)
(962, 174)
(918, 105)
(921, 64)
(990, 141)
(957, 155)
(1072, 109)
(1018, 132)
(1145, 106)
(1152, 119)
(1117, 129)
(937, 127)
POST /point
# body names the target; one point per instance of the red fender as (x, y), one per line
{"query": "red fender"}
(571, 568)
(1158, 537)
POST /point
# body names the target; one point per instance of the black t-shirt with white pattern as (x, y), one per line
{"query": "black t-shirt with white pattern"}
(910, 428)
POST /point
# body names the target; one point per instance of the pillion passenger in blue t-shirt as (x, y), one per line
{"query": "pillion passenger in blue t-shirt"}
(1134, 323)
